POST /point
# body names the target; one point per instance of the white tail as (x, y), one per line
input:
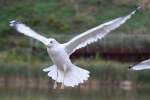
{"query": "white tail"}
(72, 78)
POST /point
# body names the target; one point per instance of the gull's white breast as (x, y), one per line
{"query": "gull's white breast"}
(59, 57)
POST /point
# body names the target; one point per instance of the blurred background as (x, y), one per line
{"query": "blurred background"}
(22, 58)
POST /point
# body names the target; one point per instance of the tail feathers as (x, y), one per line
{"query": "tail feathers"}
(49, 68)
(76, 76)
(72, 78)
(54, 73)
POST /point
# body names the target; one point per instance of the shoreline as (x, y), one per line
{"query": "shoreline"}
(41, 83)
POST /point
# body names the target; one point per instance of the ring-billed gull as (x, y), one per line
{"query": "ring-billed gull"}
(63, 71)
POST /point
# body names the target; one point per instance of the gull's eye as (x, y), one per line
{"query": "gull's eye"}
(51, 42)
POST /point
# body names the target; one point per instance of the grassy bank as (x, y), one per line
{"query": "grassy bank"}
(66, 19)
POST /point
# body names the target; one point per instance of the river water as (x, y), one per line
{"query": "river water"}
(106, 93)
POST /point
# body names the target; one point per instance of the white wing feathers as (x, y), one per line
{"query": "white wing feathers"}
(22, 28)
(141, 66)
(94, 34)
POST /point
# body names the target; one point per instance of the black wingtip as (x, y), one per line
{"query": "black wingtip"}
(130, 67)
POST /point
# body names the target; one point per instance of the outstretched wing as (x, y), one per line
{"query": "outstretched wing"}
(141, 66)
(94, 34)
(22, 28)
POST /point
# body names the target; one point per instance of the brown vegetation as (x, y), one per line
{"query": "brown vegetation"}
(144, 4)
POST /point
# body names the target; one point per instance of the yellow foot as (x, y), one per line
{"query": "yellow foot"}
(62, 86)
(55, 85)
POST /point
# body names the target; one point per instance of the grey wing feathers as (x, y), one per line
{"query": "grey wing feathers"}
(22, 28)
(94, 34)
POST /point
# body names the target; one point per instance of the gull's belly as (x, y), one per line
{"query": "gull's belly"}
(60, 58)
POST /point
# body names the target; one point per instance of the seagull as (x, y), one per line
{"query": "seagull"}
(141, 66)
(64, 71)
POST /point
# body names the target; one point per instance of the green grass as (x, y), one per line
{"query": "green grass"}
(59, 19)
(22, 70)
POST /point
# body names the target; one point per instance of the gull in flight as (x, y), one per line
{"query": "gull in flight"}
(141, 66)
(64, 71)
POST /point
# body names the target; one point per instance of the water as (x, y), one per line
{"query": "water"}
(74, 94)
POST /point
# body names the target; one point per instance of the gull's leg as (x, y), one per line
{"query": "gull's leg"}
(55, 83)
(62, 85)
